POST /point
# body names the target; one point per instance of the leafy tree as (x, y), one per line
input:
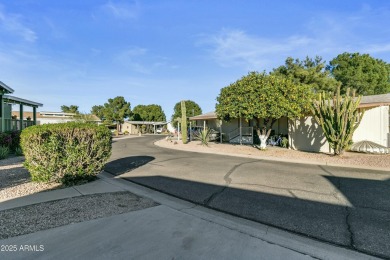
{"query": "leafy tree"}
(339, 117)
(192, 109)
(70, 109)
(269, 97)
(183, 122)
(365, 74)
(310, 72)
(98, 111)
(148, 113)
(114, 111)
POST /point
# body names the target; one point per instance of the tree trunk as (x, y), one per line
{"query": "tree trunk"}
(263, 136)
(264, 133)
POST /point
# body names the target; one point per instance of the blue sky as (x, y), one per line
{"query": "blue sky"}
(162, 51)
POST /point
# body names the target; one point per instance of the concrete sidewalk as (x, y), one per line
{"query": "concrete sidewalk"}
(176, 229)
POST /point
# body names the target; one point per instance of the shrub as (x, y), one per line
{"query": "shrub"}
(71, 180)
(18, 151)
(126, 132)
(10, 139)
(61, 152)
(5, 139)
(15, 140)
(4, 152)
(203, 136)
(284, 142)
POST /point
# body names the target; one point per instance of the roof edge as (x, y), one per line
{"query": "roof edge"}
(22, 101)
(6, 87)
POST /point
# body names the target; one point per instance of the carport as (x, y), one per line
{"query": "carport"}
(6, 102)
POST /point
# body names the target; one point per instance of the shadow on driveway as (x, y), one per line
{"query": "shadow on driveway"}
(361, 229)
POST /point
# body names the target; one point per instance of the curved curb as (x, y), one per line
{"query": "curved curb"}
(268, 158)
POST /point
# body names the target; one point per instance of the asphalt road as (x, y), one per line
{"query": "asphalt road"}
(343, 206)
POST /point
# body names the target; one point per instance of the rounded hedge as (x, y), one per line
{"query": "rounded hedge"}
(58, 152)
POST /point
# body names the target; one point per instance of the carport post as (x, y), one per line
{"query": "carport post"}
(178, 131)
(2, 112)
(190, 132)
(35, 115)
(240, 132)
(20, 117)
(220, 131)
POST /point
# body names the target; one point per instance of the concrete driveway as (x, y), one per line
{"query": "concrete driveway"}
(343, 206)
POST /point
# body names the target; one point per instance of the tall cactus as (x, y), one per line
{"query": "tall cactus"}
(183, 122)
(339, 117)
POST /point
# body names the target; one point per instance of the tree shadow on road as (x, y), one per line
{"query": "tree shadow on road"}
(120, 166)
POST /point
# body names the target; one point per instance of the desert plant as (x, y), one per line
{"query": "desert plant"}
(284, 142)
(61, 152)
(18, 151)
(183, 122)
(4, 152)
(339, 117)
(203, 136)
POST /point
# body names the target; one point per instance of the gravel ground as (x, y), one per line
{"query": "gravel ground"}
(349, 158)
(15, 180)
(32, 218)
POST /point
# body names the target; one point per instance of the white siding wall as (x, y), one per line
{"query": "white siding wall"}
(42, 121)
(374, 126)
(306, 135)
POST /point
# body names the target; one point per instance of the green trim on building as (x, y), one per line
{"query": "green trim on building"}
(6, 101)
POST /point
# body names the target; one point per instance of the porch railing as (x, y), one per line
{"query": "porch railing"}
(14, 124)
(246, 136)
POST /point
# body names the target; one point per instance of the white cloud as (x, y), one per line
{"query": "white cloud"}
(326, 35)
(13, 24)
(235, 47)
(363, 31)
(377, 48)
(140, 60)
(130, 58)
(134, 51)
(122, 10)
(54, 30)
